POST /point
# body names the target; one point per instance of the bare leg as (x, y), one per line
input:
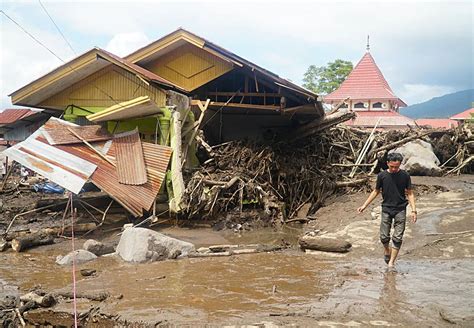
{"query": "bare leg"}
(393, 257)
(386, 249)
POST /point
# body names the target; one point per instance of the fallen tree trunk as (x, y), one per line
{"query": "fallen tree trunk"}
(396, 144)
(351, 183)
(99, 297)
(43, 301)
(37, 239)
(321, 124)
(78, 228)
(324, 244)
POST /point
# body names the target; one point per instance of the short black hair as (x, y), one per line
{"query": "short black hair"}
(394, 157)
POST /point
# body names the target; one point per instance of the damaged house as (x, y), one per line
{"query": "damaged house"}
(125, 118)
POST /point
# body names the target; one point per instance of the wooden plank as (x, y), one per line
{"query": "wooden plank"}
(91, 147)
(251, 106)
(250, 94)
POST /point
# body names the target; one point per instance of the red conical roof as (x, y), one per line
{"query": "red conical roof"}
(365, 82)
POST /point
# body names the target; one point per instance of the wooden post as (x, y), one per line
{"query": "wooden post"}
(176, 173)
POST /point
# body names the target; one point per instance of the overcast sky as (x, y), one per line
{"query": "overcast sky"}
(424, 48)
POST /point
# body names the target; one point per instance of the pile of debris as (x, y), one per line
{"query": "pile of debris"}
(284, 182)
(129, 171)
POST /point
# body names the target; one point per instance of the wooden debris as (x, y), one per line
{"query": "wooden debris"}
(32, 240)
(4, 244)
(99, 296)
(54, 231)
(324, 244)
(47, 300)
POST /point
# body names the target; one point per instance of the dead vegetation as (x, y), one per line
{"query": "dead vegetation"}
(290, 181)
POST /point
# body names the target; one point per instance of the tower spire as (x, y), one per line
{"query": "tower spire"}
(368, 44)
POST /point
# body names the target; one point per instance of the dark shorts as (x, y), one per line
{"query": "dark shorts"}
(398, 220)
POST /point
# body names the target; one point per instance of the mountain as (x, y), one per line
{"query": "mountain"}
(441, 107)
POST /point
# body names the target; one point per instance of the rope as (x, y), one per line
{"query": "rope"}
(73, 262)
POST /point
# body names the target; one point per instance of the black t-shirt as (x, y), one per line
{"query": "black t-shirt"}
(393, 187)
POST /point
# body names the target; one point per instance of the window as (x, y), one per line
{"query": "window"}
(377, 105)
(359, 105)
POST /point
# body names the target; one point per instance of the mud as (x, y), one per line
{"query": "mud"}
(432, 285)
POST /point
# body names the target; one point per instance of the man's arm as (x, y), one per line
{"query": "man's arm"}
(369, 200)
(411, 201)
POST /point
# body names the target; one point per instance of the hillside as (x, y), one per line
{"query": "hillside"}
(441, 107)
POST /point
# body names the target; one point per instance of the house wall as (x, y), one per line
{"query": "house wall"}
(94, 91)
(189, 67)
(20, 133)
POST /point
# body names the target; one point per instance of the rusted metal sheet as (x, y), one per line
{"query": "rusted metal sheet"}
(131, 168)
(133, 198)
(65, 169)
(11, 115)
(56, 134)
(72, 165)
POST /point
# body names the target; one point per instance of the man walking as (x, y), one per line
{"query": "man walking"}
(395, 185)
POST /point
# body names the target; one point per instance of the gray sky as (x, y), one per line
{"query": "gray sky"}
(424, 48)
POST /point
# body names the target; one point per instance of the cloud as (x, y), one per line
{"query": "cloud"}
(125, 43)
(414, 42)
(23, 60)
(417, 93)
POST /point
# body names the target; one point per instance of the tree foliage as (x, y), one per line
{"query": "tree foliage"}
(326, 79)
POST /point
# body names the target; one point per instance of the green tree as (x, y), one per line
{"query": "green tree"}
(326, 79)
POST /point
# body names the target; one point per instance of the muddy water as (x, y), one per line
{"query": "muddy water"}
(427, 292)
(282, 288)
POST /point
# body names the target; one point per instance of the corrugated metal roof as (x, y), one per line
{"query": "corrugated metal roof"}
(56, 134)
(12, 115)
(366, 81)
(138, 107)
(466, 115)
(133, 198)
(71, 165)
(63, 168)
(129, 155)
(387, 119)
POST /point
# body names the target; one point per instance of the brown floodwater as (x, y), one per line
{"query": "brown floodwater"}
(280, 288)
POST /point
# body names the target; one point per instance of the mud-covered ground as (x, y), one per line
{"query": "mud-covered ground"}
(432, 287)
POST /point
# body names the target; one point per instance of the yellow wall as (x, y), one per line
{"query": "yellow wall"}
(189, 67)
(114, 81)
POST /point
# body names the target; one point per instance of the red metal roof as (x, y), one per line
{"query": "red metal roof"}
(55, 132)
(466, 115)
(366, 81)
(387, 119)
(13, 114)
(134, 198)
(445, 123)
